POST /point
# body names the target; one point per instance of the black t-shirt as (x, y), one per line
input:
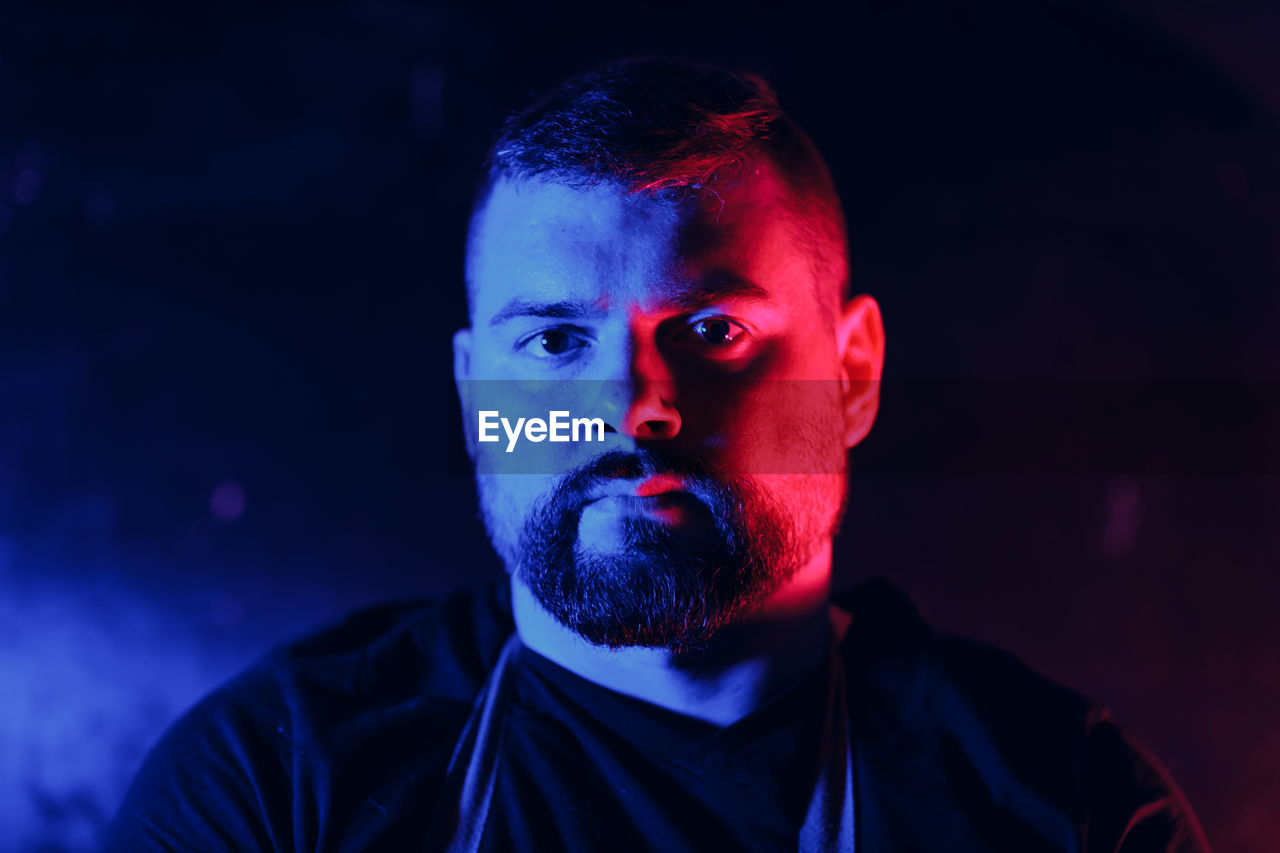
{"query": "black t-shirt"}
(587, 768)
(341, 741)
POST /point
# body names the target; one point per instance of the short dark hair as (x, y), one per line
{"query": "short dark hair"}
(671, 128)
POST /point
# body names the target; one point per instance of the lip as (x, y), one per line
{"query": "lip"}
(671, 508)
(659, 484)
(650, 487)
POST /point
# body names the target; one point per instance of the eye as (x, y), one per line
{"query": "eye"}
(714, 331)
(553, 343)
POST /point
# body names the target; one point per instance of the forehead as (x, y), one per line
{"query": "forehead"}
(602, 242)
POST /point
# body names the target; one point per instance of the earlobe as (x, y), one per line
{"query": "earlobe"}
(860, 338)
(462, 381)
(461, 355)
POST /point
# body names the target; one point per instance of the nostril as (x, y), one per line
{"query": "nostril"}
(656, 428)
(651, 417)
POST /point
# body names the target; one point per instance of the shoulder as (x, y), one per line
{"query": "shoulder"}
(935, 678)
(313, 735)
(976, 718)
(392, 651)
(926, 679)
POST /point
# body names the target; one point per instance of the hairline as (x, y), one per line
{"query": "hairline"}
(800, 214)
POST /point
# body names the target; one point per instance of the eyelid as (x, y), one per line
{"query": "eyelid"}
(686, 328)
(585, 337)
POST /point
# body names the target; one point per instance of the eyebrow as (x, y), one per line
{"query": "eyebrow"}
(685, 295)
(712, 288)
(565, 309)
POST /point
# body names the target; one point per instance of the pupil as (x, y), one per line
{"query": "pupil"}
(555, 342)
(716, 331)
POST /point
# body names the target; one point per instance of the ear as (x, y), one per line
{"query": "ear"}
(860, 338)
(462, 381)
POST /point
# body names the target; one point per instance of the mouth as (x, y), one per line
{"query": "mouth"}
(670, 509)
(664, 500)
(657, 486)
(661, 497)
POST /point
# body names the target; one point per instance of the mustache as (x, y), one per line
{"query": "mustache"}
(729, 502)
(577, 484)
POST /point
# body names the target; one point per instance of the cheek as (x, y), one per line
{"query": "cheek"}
(507, 500)
(811, 502)
(786, 427)
(503, 495)
(527, 427)
(809, 437)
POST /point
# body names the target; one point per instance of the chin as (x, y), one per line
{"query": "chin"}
(650, 595)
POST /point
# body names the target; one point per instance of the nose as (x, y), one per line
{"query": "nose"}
(652, 413)
(644, 404)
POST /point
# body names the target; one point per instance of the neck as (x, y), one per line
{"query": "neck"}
(744, 666)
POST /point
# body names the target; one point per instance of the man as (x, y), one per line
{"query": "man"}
(660, 383)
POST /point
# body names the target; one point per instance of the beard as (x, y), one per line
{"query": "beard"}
(660, 585)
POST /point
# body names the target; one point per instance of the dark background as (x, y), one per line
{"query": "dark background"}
(230, 264)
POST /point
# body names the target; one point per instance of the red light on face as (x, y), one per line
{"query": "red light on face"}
(658, 484)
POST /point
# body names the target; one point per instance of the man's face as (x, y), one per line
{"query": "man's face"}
(693, 330)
